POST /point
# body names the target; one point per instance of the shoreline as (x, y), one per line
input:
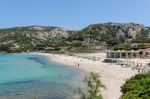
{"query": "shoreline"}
(112, 76)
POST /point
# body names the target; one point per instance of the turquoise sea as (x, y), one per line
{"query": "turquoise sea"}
(26, 76)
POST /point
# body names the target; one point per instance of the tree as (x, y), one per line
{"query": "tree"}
(137, 87)
(93, 87)
(144, 33)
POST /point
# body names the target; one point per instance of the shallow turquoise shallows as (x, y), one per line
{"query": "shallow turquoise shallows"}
(26, 76)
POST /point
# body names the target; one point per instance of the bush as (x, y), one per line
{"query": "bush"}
(137, 87)
(57, 49)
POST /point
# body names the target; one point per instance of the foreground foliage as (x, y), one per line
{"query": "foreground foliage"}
(93, 87)
(137, 87)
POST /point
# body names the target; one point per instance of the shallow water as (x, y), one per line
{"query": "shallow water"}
(26, 76)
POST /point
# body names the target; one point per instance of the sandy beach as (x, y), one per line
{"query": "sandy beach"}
(112, 75)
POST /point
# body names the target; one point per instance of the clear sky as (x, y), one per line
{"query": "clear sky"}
(72, 14)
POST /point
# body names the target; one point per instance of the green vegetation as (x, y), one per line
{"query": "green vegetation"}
(137, 87)
(93, 88)
(29, 38)
(144, 32)
(127, 47)
(81, 49)
(113, 34)
(100, 32)
(142, 40)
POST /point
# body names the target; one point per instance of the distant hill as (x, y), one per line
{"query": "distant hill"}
(125, 31)
(32, 36)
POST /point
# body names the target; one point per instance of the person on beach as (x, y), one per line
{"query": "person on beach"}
(78, 65)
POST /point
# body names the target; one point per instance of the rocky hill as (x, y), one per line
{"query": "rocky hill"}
(31, 36)
(113, 33)
(119, 30)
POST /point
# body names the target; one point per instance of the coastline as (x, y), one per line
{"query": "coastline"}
(112, 76)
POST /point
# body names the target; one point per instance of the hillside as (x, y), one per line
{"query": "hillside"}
(39, 36)
(31, 36)
(113, 31)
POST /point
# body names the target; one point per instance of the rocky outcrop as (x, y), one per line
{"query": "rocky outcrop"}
(33, 35)
(126, 30)
(129, 30)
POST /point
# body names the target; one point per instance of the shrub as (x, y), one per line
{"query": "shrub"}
(93, 87)
(137, 87)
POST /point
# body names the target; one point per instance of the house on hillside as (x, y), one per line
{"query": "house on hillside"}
(49, 49)
(14, 47)
(100, 45)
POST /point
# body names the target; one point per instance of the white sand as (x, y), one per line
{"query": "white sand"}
(112, 75)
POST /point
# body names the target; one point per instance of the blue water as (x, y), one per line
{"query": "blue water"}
(26, 76)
